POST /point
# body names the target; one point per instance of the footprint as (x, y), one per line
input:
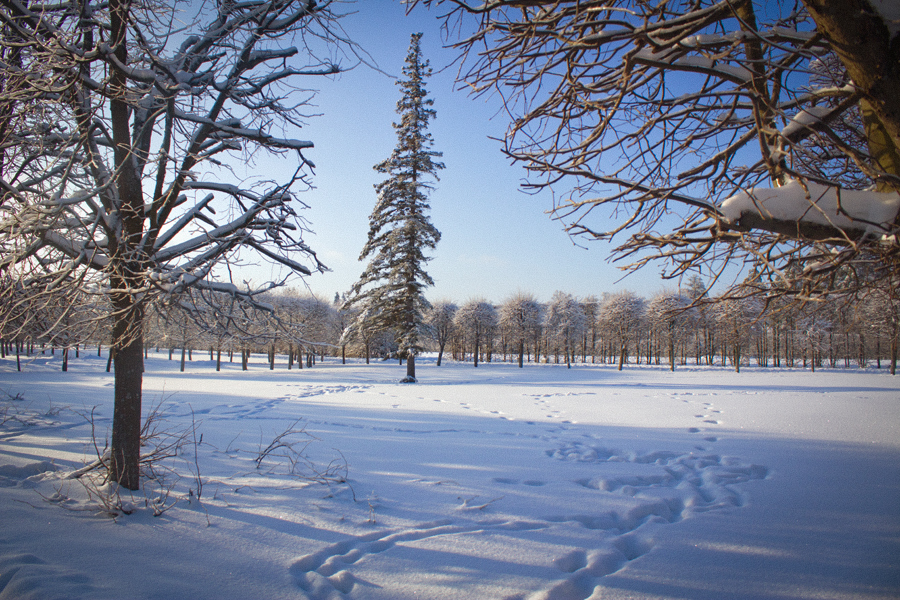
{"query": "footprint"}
(506, 480)
(571, 562)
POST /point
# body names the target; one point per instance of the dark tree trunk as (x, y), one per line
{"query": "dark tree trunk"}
(125, 453)
(411, 368)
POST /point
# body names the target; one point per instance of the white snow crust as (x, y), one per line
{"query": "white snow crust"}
(823, 205)
(474, 484)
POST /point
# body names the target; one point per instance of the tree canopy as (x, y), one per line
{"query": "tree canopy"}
(121, 124)
(713, 131)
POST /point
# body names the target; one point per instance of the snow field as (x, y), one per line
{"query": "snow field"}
(496, 482)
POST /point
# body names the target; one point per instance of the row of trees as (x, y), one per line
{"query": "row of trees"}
(672, 328)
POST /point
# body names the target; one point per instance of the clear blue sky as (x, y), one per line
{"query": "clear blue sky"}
(496, 240)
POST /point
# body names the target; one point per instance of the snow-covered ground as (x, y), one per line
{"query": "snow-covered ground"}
(495, 482)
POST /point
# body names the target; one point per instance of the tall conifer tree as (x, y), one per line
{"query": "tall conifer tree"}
(399, 228)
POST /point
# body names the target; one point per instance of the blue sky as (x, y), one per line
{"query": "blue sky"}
(496, 240)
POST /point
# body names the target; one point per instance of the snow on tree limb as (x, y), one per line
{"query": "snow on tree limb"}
(856, 213)
(643, 118)
(109, 111)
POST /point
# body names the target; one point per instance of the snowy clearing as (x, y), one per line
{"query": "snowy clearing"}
(495, 482)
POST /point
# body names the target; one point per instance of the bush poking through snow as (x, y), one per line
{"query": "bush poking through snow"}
(290, 448)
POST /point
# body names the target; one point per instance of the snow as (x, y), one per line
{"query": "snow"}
(703, 64)
(804, 119)
(495, 482)
(871, 211)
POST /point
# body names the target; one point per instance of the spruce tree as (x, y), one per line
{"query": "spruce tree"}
(399, 229)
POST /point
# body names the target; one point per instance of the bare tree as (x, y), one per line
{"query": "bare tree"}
(882, 310)
(669, 315)
(476, 321)
(737, 323)
(591, 308)
(520, 318)
(439, 321)
(622, 316)
(713, 131)
(117, 124)
(564, 323)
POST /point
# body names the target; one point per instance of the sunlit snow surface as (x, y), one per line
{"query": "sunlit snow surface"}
(495, 482)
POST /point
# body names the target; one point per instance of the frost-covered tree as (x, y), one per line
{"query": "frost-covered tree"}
(125, 128)
(591, 307)
(622, 316)
(736, 321)
(400, 231)
(669, 315)
(440, 324)
(564, 323)
(713, 131)
(363, 330)
(476, 321)
(520, 320)
(881, 308)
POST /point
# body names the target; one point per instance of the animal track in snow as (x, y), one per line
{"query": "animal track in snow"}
(528, 482)
(685, 481)
(658, 487)
(322, 574)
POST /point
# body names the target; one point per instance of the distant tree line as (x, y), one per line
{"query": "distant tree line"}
(672, 328)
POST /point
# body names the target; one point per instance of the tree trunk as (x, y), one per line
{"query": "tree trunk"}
(862, 40)
(125, 453)
(411, 368)
(895, 346)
